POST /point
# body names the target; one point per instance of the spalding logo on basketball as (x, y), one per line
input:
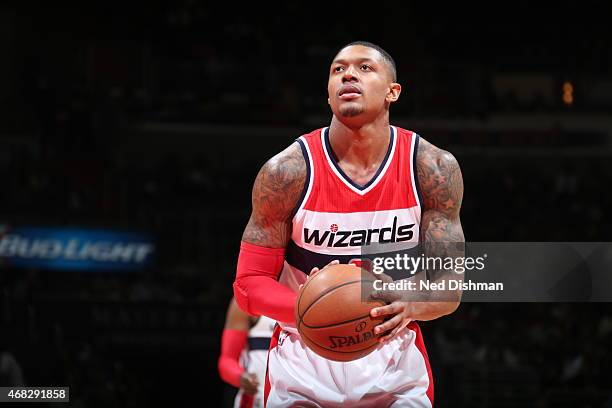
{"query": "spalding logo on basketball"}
(360, 337)
(331, 317)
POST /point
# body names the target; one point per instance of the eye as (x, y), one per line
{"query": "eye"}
(366, 67)
(338, 68)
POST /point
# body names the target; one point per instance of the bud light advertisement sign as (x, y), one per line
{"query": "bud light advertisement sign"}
(74, 249)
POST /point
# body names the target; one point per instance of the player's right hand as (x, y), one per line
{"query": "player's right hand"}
(249, 383)
(314, 271)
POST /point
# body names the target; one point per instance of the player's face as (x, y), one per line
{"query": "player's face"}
(360, 83)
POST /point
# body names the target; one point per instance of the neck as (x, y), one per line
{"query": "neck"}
(365, 145)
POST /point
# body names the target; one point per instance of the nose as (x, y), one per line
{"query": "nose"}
(349, 75)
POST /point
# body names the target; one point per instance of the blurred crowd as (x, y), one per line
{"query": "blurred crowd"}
(523, 355)
(180, 62)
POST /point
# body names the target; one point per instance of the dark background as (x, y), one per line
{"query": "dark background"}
(156, 117)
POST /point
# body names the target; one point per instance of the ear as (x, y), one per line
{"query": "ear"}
(328, 101)
(395, 90)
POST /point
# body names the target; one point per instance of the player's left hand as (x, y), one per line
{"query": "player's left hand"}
(400, 315)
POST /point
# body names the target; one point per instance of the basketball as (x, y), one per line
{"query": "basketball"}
(331, 316)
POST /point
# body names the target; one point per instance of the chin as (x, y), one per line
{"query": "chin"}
(351, 111)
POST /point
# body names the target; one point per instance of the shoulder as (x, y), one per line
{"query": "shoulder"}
(439, 178)
(280, 182)
(289, 164)
(276, 193)
(429, 154)
(284, 172)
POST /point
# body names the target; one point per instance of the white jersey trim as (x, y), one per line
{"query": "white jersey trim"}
(413, 155)
(311, 175)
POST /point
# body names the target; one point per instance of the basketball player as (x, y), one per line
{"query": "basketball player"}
(244, 349)
(359, 175)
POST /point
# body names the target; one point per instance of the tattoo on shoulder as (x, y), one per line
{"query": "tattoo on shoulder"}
(440, 179)
(276, 191)
(441, 185)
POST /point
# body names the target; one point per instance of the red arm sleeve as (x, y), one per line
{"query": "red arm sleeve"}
(232, 344)
(256, 288)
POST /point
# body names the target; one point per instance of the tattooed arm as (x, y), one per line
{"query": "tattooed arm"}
(276, 191)
(441, 186)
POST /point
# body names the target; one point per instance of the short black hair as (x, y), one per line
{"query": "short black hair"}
(386, 56)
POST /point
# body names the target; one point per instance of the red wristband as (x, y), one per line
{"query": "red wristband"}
(232, 344)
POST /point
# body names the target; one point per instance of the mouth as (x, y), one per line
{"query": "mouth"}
(348, 92)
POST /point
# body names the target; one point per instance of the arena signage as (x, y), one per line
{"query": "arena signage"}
(74, 248)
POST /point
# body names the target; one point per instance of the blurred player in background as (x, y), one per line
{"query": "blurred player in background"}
(11, 374)
(325, 197)
(244, 349)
